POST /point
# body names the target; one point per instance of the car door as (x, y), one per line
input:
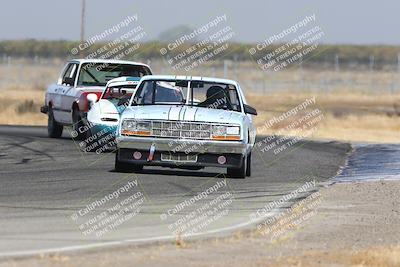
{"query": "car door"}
(64, 102)
(248, 119)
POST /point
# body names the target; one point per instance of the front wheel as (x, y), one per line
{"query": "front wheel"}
(77, 124)
(238, 172)
(54, 129)
(248, 167)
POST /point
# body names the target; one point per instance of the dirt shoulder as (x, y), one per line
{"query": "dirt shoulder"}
(354, 224)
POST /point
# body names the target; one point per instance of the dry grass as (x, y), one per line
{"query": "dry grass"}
(373, 257)
(22, 107)
(349, 113)
(355, 117)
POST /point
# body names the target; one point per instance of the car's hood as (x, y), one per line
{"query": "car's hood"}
(182, 113)
(109, 106)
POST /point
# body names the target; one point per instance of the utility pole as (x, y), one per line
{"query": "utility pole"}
(83, 22)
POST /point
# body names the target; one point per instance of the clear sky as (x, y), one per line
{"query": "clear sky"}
(343, 21)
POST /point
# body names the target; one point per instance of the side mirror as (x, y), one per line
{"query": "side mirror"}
(69, 81)
(249, 110)
(92, 98)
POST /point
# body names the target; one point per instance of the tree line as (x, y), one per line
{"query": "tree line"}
(382, 54)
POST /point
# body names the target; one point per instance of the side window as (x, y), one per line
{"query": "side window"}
(234, 98)
(147, 93)
(70, 74)
(144, 94)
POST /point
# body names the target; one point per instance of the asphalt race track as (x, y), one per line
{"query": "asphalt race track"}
(47, 185)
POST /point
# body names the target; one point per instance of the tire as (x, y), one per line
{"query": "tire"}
(126, 167)
(240, 172)
(54, 129)
(77, 123)
(248, 167)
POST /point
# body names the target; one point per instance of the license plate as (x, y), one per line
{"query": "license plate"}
(178, 157)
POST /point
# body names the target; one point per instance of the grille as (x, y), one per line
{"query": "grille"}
(178, 157)
(186, 130)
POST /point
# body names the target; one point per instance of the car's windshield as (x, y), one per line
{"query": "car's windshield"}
(119, 92)
(202, 94)
(160, 92)
(100, 73)
(214, 95)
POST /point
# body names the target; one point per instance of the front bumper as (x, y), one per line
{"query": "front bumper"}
(205, 151)
(184, 145)
(126, 155)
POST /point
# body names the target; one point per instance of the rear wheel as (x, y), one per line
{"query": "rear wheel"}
(54, 129)
(238, 172)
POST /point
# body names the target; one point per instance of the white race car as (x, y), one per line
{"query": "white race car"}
(186, 122)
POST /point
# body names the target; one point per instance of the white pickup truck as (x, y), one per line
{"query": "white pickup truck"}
(66, 101)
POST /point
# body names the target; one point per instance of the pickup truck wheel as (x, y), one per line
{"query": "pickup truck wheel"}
(238, 172)
(54, 129)
(77, 123)
(248, 167)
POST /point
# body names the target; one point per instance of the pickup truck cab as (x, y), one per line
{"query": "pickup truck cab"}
(66, 102)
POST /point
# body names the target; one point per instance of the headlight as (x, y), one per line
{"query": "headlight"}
(233, 130)
(132, 127)
(221, 132)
